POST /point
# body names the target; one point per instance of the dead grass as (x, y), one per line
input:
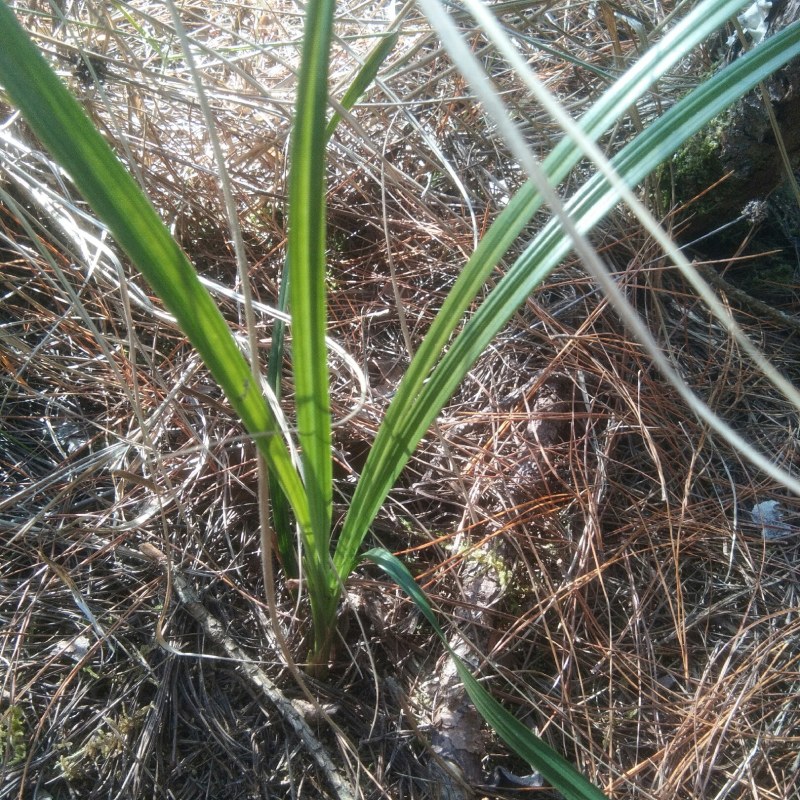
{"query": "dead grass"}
(646, 628)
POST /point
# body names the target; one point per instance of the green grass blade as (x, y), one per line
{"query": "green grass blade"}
(590, 204)
(57, 119)
(364, 78)
(398, 435)
(307, 266)
(281, 516)
(554, 768)
(595, 199)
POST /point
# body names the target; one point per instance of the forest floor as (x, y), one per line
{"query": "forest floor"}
(568, 514)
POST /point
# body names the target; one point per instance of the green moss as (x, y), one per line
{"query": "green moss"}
(490, 558)
(696, 165)
(108, 742)
(12, 736)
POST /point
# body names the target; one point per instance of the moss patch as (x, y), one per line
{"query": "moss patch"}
(12, 736)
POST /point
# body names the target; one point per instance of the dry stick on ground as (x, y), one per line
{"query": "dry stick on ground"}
(747, 302)
(256, 677)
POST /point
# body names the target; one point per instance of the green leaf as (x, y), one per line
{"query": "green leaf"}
(364, 78)
(281, 517)
(553, 767)
(420, 397)
(307, 267)
(59, 122)
(590, 204)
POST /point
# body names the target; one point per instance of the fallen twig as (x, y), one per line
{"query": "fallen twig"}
(252, 673)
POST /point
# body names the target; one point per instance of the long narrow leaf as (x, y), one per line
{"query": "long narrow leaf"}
(555, 769)
(399, 435)
(280, 509)
(307, 265)
(59, 122)
(364, 78)
(281, 518)
(588, 207)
